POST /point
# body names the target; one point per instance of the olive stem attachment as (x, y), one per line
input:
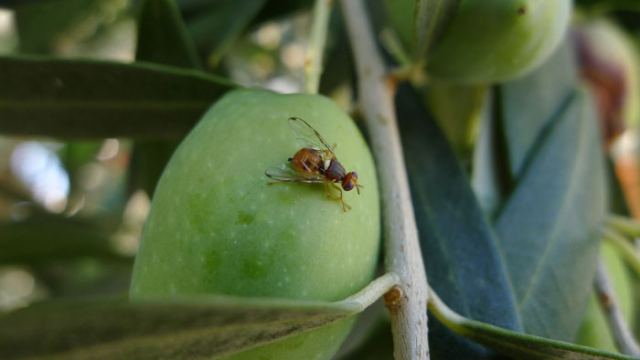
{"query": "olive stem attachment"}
(313, 57)
(402, 248)
(620, 330)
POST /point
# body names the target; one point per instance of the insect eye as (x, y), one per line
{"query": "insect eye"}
(347, 186)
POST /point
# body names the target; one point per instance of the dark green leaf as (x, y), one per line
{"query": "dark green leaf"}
(461, 252)
(517, 345)
(216, 27)
(148, 161)
(491, 179)
(183, 328)
(549, 228)
(88, 99)
(618, 204)
(163, 37)
(44, 238)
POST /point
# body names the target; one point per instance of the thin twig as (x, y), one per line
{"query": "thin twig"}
(407, 302)
(620, 331)
(313, 59)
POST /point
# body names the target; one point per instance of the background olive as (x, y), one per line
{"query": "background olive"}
(483, 41)
(217, 227)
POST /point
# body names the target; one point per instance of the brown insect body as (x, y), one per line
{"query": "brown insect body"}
(314, 161)
(312, 165)
(308, 160)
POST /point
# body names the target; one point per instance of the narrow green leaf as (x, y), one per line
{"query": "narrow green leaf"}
(549, 228)
(184, 328)
(148, 161)
(618, 205)
(221, 23)
(163, 37)
(45, 238)
(490, 176)
(89, 99)
(511, 343)
(461, 253)
(530, 104)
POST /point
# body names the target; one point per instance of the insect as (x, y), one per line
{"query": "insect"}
(315, 163)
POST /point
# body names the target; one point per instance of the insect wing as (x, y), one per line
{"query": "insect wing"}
(307, 136)
(280, 174)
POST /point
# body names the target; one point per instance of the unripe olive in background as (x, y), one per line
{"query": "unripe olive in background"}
(216, 226)
(485, 41)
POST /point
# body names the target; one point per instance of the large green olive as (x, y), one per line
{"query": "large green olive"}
(486, 41)
(217, 226)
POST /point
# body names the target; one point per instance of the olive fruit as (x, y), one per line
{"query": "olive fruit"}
(485, 41)
(217, 225)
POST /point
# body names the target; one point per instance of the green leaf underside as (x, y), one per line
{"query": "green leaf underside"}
(43, 238)
(461, 252)
(549, 228)
(530, 104)
(515, 344)
(185, 328)
(89, 99)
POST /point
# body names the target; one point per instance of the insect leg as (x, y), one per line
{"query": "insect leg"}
(345, 206)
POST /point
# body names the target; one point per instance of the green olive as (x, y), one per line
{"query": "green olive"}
(218, 226)
(485, 41)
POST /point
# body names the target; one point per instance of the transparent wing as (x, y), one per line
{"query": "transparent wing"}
(286, 174)
(307, 136)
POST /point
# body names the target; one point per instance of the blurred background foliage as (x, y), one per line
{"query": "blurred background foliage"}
(72, 209)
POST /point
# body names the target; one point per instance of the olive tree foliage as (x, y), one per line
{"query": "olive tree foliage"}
(505, 174)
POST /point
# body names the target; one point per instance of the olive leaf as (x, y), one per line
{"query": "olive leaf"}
(461, 252)
(184, 328)
(216, 25)
(88, 99)
(46, 237)
(515, 344)
(549, 227)
(529, 105)
(163, 39)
